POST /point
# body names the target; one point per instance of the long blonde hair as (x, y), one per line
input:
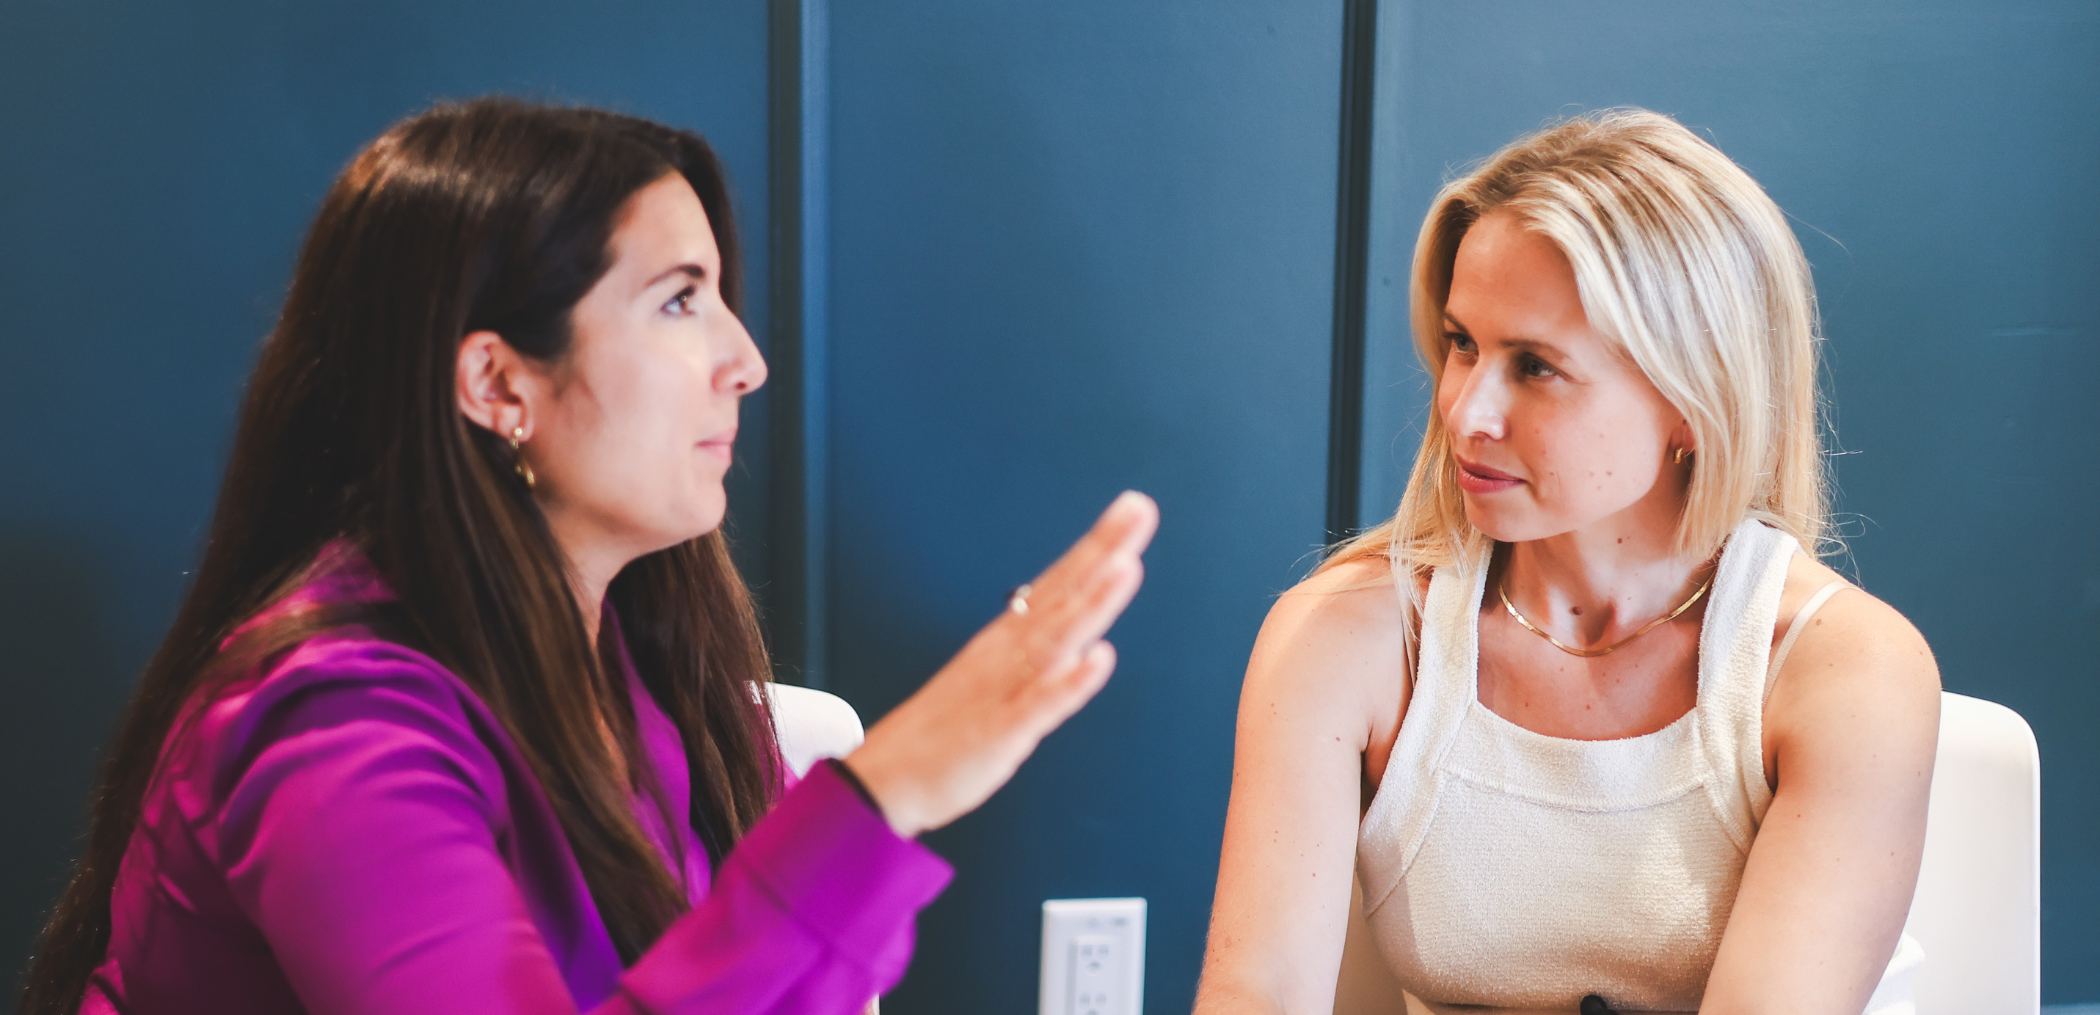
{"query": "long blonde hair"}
(1690, 270)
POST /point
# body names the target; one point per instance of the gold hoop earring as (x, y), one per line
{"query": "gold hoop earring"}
(517, 435)
(1682, 454)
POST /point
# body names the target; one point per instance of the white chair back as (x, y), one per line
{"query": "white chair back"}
(1977, 911)
(812, 725)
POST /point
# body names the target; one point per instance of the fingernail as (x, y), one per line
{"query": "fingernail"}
(1128, 500)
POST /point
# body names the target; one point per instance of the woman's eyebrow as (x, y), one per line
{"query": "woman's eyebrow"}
(691, 270)
(1533, 345)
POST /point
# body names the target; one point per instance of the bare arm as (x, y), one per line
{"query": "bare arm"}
(1851, 729)
(1323, 684)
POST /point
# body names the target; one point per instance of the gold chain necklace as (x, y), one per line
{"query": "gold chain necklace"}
(1502, 589)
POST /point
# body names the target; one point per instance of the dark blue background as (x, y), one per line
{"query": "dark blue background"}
(1078, 247)
(1075, 248)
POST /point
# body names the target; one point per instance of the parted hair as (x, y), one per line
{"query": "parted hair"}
(1689, 269)
(496, 215)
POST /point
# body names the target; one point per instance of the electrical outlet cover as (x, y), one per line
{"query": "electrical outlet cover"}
(1093, 957)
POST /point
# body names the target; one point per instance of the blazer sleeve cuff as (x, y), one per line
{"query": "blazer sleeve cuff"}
(818, 900)
(832, 858)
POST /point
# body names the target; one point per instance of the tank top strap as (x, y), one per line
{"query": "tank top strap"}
(1735, 646)
(1794, 627)
(1445, 687)
(1394, 825)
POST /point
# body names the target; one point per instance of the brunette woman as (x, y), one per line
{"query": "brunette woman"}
(462, 712)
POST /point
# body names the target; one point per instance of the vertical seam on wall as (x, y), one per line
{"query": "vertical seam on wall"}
(1351, 267)
(798, 58)
(1389, 253)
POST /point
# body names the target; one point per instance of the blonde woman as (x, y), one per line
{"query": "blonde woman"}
(1588, 718)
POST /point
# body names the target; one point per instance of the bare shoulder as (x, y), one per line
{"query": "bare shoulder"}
(1334, 643)
(1349, 612)
(1853, 626)
(1855, 654)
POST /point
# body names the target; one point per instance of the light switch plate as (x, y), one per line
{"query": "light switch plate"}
(1093, 957)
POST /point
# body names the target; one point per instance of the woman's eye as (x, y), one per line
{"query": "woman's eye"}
(1460, 343)
(1532, 366)
(682, 304)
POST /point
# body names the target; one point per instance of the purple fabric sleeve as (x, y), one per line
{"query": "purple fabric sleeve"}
(367, 834)
(821, 878)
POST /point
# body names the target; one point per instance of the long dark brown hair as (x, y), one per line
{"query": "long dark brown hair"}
(497, 215)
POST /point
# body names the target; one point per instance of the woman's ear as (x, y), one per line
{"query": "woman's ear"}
(486, 381)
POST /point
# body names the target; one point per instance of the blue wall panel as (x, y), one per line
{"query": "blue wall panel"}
(1076, 248)
(158, 165)
(1940, 161)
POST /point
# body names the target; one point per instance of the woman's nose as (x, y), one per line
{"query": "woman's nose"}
(1479, 408)
(745, 370)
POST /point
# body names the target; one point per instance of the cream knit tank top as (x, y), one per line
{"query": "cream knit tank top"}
(1506, 868)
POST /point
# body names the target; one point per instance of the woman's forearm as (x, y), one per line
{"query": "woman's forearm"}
(1216, 996)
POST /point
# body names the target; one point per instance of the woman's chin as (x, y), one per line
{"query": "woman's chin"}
(687, 528)
(1505, 526)
(704, 525)
(705, 506)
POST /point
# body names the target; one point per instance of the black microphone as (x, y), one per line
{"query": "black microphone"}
(1594, 1005)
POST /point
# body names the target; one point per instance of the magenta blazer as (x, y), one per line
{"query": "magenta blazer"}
(352, 832)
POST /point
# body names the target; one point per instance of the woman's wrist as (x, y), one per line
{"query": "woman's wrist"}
(845, 773)
(881, 793)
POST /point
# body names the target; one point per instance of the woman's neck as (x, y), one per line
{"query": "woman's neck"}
(590, 601)
(1602, 582)
(593, 556)
(591, 568)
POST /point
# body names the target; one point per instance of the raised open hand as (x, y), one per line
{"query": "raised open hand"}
(947, 748)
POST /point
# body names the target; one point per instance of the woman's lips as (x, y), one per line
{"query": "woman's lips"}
(1476, 478)
(723, 445)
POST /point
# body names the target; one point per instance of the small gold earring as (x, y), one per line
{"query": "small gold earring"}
(517, 435)
(1679, 459)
